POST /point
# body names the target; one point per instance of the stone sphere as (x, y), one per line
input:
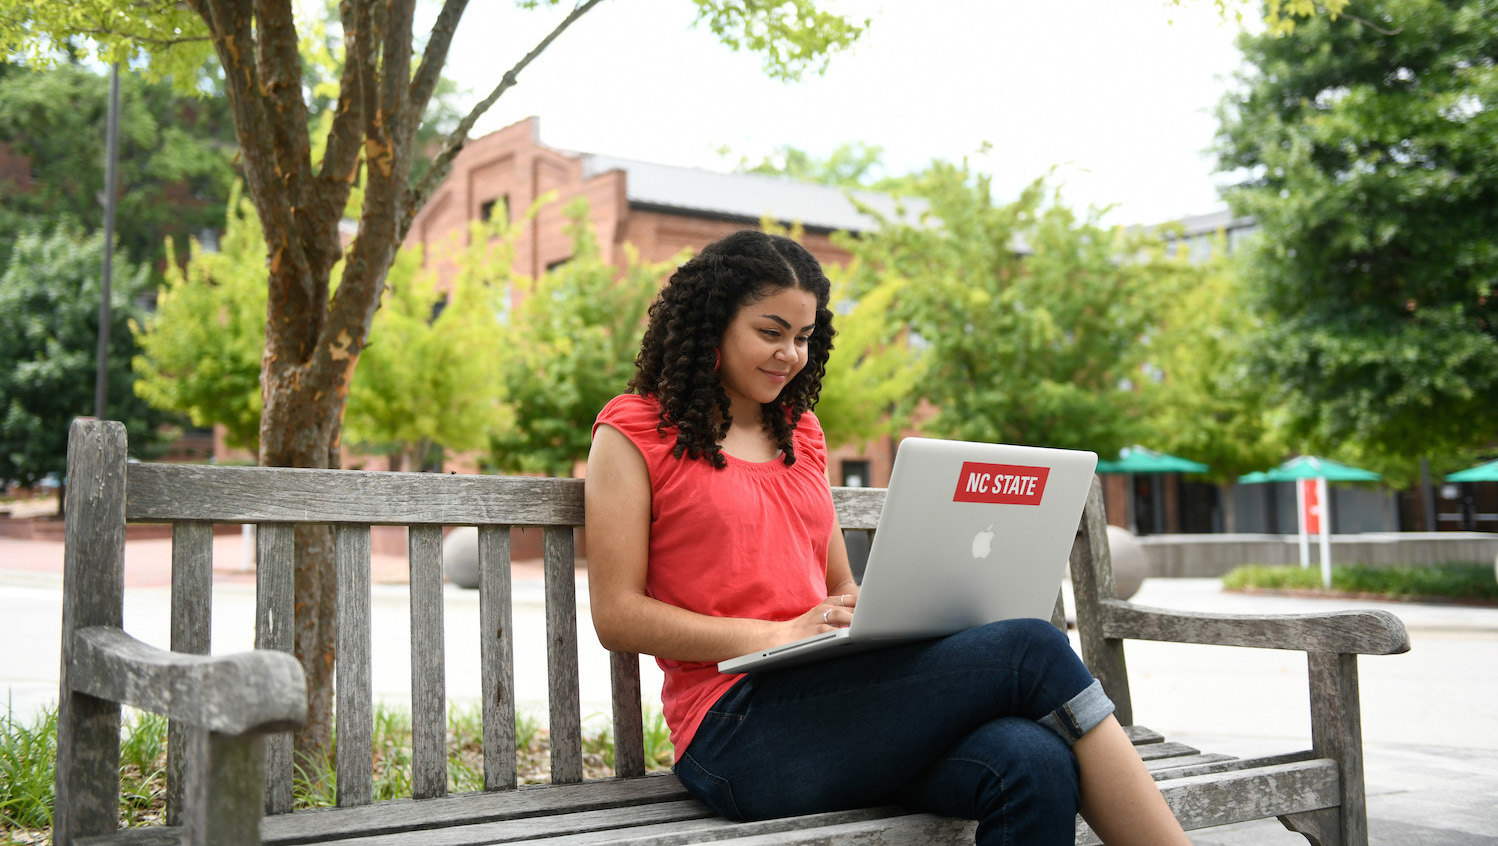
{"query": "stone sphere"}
(460, 556)
(1129, 565)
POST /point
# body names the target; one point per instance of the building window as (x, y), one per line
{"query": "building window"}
(856, 474)
(498, 205)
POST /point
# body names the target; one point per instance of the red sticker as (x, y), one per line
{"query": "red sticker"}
(1006, 484)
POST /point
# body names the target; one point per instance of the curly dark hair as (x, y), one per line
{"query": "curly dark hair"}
(677, 361)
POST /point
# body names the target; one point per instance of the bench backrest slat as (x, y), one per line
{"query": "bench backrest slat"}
(428, 666)
(561, 656)
(166, 493)
(275, 557)
(192, 617)
(497, 656)
(352, 693)
(629, 723)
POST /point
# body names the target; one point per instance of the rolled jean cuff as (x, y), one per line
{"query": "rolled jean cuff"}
(1079, 715)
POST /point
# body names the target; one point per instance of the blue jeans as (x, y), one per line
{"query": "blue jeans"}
(977, 725)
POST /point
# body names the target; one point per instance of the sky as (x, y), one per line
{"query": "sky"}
(1117, 96)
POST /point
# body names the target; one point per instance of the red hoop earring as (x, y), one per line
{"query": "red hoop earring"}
(717, 359)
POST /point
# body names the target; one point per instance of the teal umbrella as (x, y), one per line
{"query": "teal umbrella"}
(1481, 473)
(1313, 498)
(1137, 459)
(1311, 467)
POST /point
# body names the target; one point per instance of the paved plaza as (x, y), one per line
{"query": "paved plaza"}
(1428, 716)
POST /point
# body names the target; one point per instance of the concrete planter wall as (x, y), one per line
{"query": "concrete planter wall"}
(1205, 556)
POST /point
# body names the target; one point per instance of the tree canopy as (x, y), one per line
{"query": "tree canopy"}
(1025, 317)
(175, 153)
(49, 340)
(1370, 161)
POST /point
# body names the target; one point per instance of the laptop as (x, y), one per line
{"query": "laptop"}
(970, 534)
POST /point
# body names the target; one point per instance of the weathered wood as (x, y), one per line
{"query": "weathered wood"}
(192, 618)
(1353, 632)
(497, 656)
(88, 729)
(525, 802)
(235, 694)
(428, 663)
(1337, 733)
(629, 719)
(858, 508)
(275, 565)
(353, 697)
(1239, 796)
(561, 656)
(170, 492)
(1092, 583)
(225, 789)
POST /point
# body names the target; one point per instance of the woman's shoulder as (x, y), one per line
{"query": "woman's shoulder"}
(637, 417)
(809, 438)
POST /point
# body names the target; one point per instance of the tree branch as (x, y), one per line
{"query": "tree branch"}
(435, 56)
(341, 153)
(1371, 25)
(459, 136)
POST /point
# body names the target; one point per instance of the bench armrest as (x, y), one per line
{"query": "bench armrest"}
(1345, 632)
(259, 691)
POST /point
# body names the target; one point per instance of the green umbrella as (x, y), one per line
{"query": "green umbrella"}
(1311, 467)
(1481, 473)
(1137, 459)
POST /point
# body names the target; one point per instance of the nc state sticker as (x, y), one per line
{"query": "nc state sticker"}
(1003, 484)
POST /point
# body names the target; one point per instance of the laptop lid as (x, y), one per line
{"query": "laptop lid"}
(970, 533)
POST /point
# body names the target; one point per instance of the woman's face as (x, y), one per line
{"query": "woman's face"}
(764, 347)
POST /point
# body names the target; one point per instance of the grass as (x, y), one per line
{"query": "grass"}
(28, 756)
(1461, 582)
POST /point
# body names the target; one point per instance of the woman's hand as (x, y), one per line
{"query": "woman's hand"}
(834, 612)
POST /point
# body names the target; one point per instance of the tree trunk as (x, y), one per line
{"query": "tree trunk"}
(1229, 516)
(300, 427)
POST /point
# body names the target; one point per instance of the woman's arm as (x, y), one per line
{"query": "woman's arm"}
(617, 499)
(842, 591)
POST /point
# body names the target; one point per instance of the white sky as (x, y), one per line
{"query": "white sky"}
(1118, 95)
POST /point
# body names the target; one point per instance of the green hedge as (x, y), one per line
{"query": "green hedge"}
(1433, 581)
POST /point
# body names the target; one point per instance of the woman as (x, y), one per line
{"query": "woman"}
(711, 533)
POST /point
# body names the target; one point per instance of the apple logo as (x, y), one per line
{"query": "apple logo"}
(983, 542)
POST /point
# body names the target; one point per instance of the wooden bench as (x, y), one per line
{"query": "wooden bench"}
(230, 751)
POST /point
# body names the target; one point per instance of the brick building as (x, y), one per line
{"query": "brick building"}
(660, 209)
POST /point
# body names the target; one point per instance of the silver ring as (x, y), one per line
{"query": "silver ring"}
(843, 600)
(825, 615)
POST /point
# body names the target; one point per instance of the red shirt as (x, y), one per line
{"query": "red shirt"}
(749, 540)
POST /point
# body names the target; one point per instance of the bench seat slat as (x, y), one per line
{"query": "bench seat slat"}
(608, 823)
(428, 662)
(166, 493)
(316, 826)
(353, 697)
(497, 655)
(1225, 798)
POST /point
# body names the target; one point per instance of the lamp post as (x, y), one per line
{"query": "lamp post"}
(111, 159)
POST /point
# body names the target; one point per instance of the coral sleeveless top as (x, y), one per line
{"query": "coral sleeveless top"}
(749, 540)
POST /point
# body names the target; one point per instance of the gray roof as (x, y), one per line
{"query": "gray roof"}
(749, 196)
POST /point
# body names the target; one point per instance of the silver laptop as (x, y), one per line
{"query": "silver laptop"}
(970, 534)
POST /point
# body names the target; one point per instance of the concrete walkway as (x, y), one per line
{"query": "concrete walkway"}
(1429, 733)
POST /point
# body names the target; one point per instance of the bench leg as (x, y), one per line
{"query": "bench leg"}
(225, 789)
(1336, 733)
